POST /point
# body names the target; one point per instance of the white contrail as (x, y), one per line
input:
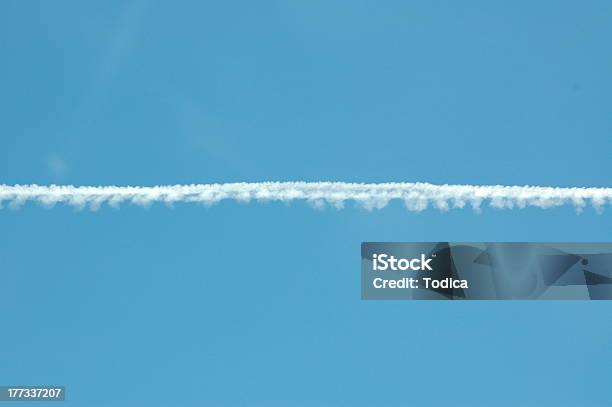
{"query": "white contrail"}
(416, 196)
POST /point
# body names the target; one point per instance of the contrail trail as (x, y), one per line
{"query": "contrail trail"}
(415, 196)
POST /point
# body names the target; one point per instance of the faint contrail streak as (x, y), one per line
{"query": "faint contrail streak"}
(416, 196)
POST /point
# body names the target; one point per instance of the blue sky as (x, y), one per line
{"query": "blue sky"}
(259, 304)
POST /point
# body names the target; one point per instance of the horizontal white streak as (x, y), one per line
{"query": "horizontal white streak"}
(416, 196)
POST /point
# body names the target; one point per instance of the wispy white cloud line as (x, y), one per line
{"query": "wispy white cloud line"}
(415, 196)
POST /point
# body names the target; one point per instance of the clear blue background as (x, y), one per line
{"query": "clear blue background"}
(259, 304)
